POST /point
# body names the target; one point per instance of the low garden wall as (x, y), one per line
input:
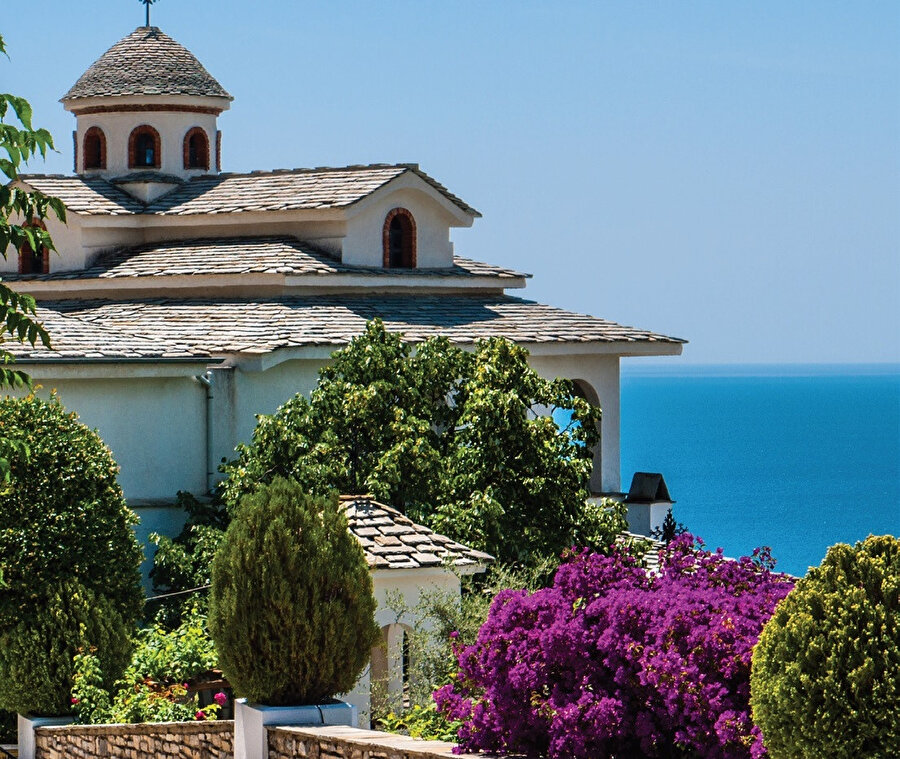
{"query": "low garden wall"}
(215, 740)
(160, 740)
(351, 743)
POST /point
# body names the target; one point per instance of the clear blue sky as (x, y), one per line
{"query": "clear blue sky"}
(724, 172)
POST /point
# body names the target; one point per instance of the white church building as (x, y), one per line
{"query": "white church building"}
(185, 301)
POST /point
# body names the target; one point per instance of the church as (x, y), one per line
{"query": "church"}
(185, 300)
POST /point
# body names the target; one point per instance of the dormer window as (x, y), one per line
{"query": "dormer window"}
(399, 240)
(144, 148)
(94, 149)
(196, 149)
(32, 261)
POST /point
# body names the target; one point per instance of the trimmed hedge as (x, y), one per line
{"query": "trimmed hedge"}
(36, 655)
(825, 679)
(62, 512)
(291, 604)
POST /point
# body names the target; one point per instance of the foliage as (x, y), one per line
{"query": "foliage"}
(612, 661)
(825, 672)
(36, 668)
(156, 686)
(459, 441)
(291, 604)
(183, 562)
(421, 721)
(19, 140)
(63, 514)
(8, 726)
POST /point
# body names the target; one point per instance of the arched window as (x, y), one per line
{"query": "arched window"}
(399, 240)
(32, 261)
(94, 149)
(144, 148)
(196, 149)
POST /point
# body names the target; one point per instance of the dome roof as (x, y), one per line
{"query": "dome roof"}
(146, 62)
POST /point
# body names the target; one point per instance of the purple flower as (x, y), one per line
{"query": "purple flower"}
(200, 715)
(613, 661)
(220, 698)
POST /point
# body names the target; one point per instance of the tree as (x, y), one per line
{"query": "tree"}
(825, 672)
(291, 605)
(460, 441)
(21, 216)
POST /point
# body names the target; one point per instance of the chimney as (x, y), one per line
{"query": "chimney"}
(647, 501)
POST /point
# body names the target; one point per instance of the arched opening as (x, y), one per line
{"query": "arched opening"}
(390, 668)
(33, 261)
(94, 149)
(584, 390)
(399, 240)
(196, 149)
(144, 148)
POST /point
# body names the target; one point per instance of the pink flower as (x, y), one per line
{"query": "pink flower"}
(75, 700)
(201, 715)
(454, 635)
(220, 698)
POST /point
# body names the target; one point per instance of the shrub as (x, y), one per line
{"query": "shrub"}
(156, 686)
(291, 604)
(36, 667)
(611, 661)
(825, 672)
(62, 512)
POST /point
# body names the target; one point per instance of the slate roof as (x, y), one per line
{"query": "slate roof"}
(244, 255)
(391, 540)
(222, 326)
(146, 62)
(280, 190)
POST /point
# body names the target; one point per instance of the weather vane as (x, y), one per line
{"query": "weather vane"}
(147, 4)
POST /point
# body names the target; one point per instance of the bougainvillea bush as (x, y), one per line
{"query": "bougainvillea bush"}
(612, 662)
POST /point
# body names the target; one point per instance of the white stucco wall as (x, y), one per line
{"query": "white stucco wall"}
(155, 428)
(68, 241)
(363, 244)
(601, 373)
(172, 127)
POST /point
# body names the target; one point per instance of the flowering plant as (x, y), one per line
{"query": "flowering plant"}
(613, 661)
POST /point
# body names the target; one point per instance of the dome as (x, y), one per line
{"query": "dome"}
(146, 62)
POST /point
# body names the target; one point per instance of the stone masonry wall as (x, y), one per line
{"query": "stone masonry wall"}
(351, 743)
(163, 740)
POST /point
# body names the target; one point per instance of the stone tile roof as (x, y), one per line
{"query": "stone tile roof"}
(221, 326)
(74, 339)
(391, 540)
(146, 62)
(281, 190)
(245, 255)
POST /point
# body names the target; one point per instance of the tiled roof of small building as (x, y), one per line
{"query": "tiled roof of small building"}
(245, 255)
(280, 190)
(222, 326)
(146, 62)
(391, 540)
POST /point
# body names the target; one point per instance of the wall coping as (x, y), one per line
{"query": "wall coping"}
(141, 728)
(412, 748)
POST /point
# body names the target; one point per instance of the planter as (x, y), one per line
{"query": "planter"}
(251, 721)
(27, 726)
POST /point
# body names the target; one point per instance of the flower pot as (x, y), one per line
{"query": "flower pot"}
(251, 721)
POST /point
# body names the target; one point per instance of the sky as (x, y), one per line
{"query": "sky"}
(727, 173)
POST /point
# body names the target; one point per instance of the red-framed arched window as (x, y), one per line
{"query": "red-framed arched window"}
(196, 149)
(144, 148)
(94, 149)
(399, 240)
(32, 261)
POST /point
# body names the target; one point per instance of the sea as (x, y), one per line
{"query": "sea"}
(793, 457)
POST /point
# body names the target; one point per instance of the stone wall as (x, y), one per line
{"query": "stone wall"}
(351, 743)
(162, 740)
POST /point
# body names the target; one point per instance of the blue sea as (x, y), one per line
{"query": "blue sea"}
(793, 457)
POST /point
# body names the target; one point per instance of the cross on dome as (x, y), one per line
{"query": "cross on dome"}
(147, 4)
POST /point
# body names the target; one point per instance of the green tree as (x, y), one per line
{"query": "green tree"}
(20, 214)
(291, 606)
(824, 678)
(460, 441)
